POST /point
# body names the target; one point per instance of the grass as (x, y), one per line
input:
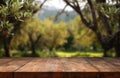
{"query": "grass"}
(79, 54)
(58, 54)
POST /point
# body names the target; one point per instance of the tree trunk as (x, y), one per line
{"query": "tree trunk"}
(33, 49)
(117, 50)
(52, 46)
(105, 53)
(104, 44)
(32, 45)
(117, 45)
(117, 41)
(100, 1)
(7, 47)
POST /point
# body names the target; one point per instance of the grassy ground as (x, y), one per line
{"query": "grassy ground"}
(59, 54)
(79, 54)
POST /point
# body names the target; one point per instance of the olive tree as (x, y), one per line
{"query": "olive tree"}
(12, 14)
(100, 11)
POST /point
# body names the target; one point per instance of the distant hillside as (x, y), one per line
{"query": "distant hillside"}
(68, 15)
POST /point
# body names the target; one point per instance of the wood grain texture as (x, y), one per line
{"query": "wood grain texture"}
(60, 68)
(102, 65)
(115, 62)
(33, 66)
(77, 65)
(13, 65)
(5, 60)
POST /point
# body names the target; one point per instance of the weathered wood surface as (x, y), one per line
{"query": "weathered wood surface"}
(60, 68)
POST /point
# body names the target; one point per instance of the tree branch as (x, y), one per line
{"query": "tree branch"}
(59, 13)
(93, 14)
(105, 21)
(43, 3)
(79, 11)
(38, 38)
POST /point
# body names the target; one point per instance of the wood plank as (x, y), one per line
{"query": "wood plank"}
(54, 65)
(7, 68)
(109, 74)
(37, 75)
(80, 75)
(44, 68)
(114, 61)
(77, 65)
(61, 68)
(107, 70)
(5, 60)
(6, 75)
(35, 65)
(58, 65)
(55, 68)
(14, 64)
(102, 65)
(56, 75)
(43, 65)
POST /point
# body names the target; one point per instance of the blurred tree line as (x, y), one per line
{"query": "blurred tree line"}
(96, 27)
(45, 34)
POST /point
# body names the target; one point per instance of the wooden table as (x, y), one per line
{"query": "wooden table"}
(60, 68)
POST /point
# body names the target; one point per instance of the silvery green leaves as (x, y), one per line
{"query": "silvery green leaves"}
(14, 12)
(110, 11)
(3, 11)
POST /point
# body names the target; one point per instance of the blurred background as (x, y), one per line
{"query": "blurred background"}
(59, 28)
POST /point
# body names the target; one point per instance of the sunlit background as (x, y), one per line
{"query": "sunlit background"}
(28, 28)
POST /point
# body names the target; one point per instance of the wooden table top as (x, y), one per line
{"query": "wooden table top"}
(60, 65)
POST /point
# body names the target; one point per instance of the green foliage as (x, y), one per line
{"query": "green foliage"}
(111, 13)
(52, 34)
(16, 20)
(83, 37)
(14, 13)
(56, 35)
